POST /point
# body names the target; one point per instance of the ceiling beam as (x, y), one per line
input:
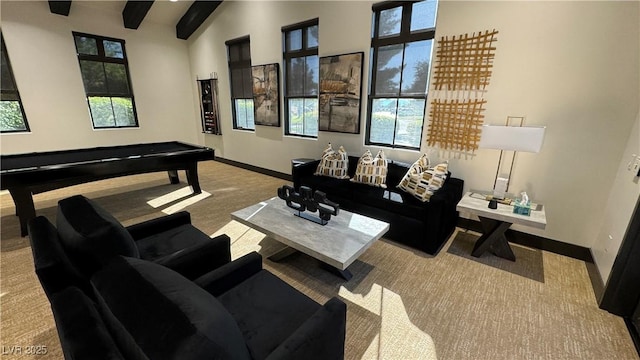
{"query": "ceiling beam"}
(60, 7)
(194, 17)
(134, 12)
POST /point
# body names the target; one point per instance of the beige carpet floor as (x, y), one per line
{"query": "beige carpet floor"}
(402, 303)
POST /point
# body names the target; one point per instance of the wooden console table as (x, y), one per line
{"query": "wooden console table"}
(496, 221)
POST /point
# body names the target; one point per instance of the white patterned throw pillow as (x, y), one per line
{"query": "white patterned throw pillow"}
(372, 171)
(334, 163)
(421, 181)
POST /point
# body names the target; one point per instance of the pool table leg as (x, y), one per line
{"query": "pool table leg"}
(192, 177)
(23, 199)
(173, 176)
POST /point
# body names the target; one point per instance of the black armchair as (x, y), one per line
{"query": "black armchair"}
(146, 311)
(87, 237)
(276, 320)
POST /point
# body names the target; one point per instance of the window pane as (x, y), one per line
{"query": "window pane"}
(113, 49)
(123, 110)
(423, 15)
(296, 115)
(6, 82)
(415, 73)
(116, 79)
(245, 51)
(311, 117)
(241, 113)
(410, 120)
(93, 76)
(244, 114)
(248, 105)
(234, 53)
(312, 36)
(236, 83)
(390, 22)
(101, 111)
(383, 118)
(11, 116)
(247, 83)
(295, 77)
(86, 45)
(9, 96)
(311, 75)
(293, 40)
(388, 70)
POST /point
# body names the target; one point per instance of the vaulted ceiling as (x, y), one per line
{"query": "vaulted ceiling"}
(134, 12)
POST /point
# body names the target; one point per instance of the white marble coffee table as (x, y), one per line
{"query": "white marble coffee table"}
(495, 223)
(337, 244)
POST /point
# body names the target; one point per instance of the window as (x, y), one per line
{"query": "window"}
(301, 78)
(239, 57)
(105, 73)
(401, 42)
(12, 118)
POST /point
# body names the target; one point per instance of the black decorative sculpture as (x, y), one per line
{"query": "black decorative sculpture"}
(311, 201)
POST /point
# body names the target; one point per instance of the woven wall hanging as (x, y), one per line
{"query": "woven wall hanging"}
(462, 71)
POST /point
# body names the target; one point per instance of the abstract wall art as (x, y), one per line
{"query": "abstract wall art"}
(340, 91)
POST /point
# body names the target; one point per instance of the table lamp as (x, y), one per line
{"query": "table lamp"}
(510, 138)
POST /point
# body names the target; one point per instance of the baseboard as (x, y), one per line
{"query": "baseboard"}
(536, 242)
(257, 169)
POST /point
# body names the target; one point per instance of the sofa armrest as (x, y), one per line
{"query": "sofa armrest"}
(227, 276)
(158, 225)
(82, 332)
(321, 336)
(53, 267)
(200, 259)
(301, 170)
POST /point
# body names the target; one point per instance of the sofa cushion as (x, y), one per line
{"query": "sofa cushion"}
(371, 171)
(334, 163)
(262, 306)
(392, 200)
(334, 188)
(90, 234)
(422, 181)
(171, 241)
(168, 316)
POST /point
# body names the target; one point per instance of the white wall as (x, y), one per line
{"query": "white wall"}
(571, 66)
(619, 207)
(42, 54)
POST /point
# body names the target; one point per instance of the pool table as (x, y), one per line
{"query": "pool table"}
(32, 173)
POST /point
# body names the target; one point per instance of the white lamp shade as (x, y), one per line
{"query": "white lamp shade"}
(512, 138)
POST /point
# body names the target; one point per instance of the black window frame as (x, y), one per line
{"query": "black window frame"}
(404, 37)
(304, 51)
(101, 57)
(12, 94)
(241, 64)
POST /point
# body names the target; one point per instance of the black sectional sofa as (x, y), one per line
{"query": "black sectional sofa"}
(424, 226)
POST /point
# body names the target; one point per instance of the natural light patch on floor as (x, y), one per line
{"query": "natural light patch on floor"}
(225, 189)
(186, 202)
(170, 197)
(398, 337)
(250, 238)
(176, 195)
